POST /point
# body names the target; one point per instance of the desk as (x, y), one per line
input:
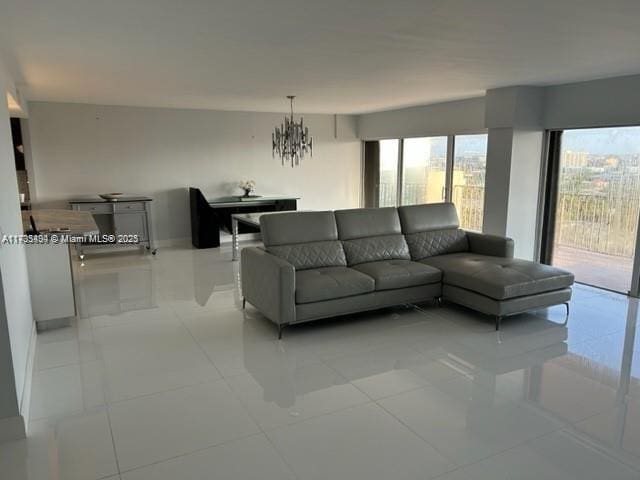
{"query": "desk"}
(208, 217)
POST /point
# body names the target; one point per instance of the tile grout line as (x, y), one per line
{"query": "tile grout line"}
(238, 400)
(501, 452)
(555, 430)
(186, 454)
(195, 341)
(113, 440)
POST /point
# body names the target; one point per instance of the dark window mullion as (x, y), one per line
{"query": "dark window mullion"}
(551, 197)
(400, 170)
(448, 189)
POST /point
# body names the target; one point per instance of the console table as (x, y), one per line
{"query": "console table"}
(208, 217)
(124, 216)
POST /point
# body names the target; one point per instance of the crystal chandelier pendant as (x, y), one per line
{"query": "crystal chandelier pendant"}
(291, 141)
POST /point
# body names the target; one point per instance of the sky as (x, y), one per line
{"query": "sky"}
(603, 141)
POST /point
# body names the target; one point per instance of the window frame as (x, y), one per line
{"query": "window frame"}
(449, 164)
(548, 194)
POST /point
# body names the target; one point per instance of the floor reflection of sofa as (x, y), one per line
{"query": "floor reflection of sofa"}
(278, 369)
(499, 354)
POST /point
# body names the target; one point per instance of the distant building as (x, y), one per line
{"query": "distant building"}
(612, 162)
(575, 159)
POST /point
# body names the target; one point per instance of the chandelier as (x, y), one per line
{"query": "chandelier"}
(291, 140)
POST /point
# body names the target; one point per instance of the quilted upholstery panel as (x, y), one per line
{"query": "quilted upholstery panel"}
(311, 255)
(373, 249)
(437, 242)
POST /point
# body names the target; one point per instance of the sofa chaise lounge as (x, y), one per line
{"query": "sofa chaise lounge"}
(323, 264)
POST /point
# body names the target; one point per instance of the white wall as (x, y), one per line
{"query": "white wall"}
(598, 103)
(16, 321)
(87, 149)
(462, 116)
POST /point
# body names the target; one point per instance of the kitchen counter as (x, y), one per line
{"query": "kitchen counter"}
(61, 221)
(49, 263)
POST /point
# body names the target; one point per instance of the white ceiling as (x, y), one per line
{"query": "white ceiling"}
(338, 56)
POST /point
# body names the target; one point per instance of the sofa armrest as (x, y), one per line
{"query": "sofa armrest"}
(268, 283)
(492, 245)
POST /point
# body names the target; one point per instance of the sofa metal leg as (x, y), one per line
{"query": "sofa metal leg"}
(498, 320)
(244, 303)
(280, 329)
(439, 301)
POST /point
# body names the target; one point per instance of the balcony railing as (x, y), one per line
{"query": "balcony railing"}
(598, 223)
(469, 200)
(593, 222)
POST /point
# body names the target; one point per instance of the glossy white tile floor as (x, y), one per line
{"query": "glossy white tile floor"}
(165, 377)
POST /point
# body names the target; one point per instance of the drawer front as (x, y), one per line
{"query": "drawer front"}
(129, 207)
(95, 207)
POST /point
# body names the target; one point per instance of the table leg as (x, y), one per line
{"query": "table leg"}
(234, 238)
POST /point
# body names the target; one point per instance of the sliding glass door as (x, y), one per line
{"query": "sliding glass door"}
(412, 171)
(595, 203)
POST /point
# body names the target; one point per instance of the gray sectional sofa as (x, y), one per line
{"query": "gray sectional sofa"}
(322, 264)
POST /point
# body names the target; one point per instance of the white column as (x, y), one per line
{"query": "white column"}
(513, 117)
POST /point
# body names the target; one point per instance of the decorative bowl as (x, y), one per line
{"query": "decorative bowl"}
(111, 196)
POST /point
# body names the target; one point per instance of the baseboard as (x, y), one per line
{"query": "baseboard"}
(225, 239)
(12, 428)
(25, 399)
(173, 242)
(44, 325)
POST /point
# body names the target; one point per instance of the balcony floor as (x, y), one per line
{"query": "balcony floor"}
(608, 271)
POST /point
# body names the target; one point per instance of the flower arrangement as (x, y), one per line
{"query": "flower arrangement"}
(248, 186)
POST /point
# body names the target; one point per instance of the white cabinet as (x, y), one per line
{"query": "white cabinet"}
(51, 284)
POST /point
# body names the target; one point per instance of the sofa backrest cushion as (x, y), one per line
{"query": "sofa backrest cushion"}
(431, 216)
(371, 234)
(289, 228)
(432, 229)
(304, 239)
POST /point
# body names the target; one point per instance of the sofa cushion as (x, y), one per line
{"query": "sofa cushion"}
(390, 274)
(367, 222)
(436, 242)
(373, 249)
(428, 217)
(497, 277)
(288, 228)
(311, 255)
(328, 283)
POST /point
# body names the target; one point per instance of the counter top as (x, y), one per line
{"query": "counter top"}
(96, 199)
(239, 199)
(55, 220)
